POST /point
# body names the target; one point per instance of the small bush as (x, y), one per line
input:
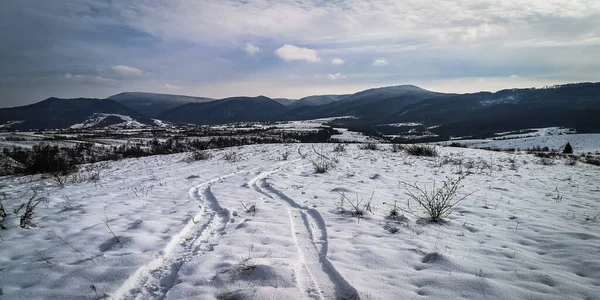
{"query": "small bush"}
(422, 150)
(26, 221)
(197, 156)
(358, 207)
(249, 208)
(437, 202)
(232, 156)
(546, 161)
(321, 165)
(285, 154)
(397, 147)
(339, 148)
(592, 160)
(369, 146)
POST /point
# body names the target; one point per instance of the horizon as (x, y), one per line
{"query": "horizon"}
(289, 48)
(296, 99)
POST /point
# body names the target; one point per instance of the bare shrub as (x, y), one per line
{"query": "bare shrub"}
(592, 160)
(513, 164)
(26, 221)
(397, 148)
(437, 202)
(232, 156)
(395, 212)
(249, 208)
(94, 170)
(339, 148)
(358, 207)
(285, 154)
(322, 163)
(197, 155)
(421, 150)
(546, 161)
(369, 146)
(115, 237)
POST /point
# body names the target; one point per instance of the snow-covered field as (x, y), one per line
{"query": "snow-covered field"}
(527, 231)
(552, 137)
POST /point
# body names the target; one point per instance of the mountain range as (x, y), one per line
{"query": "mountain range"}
(395, 110)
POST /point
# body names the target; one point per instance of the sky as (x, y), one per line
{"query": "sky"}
(291, 48)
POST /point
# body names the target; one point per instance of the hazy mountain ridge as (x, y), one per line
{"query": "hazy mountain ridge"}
(483, 113)
(152, 104)
(317, 100)
(477, 114)
(228, 110)
(55, 113)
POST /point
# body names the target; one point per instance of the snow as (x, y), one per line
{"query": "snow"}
(402, 124)
(128, 122)
(162, 124)
(553, 137)
(528, 231)
(309, 124)
(10, 123)
(351, 136)
(501, 100)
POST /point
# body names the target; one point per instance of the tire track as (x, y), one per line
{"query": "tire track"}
(309, 232)
(154, 279)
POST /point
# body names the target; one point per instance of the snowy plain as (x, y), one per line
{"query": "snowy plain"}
(181, 230)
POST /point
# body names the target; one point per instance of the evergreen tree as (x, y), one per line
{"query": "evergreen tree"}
(568, 149)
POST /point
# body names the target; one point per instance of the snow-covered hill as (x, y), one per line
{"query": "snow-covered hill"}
(97, 121)
(554, 138)
(160, 228)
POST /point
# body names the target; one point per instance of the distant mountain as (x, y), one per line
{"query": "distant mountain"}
(236, 109)
(482, 114)
(285, 101)
(397, 110)
(55, 113)
(152, 105)
(317, 100)
(370, 105)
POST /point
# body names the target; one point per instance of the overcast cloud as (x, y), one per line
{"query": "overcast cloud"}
(220, 48)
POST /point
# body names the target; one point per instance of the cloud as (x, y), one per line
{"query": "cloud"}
(337, 61)
(336, 76)
(126, 71)
(251, 49)
(171, 86)
(179, 41)
(482, 32)
(380, 62)
(312, 22)
(89, 79)
(292, 53)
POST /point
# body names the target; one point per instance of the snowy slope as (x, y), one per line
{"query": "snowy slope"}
(527, 231)
(552, 137)
(115, 121)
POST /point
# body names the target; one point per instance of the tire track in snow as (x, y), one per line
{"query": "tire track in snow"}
(154, 279)
(309, 232)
